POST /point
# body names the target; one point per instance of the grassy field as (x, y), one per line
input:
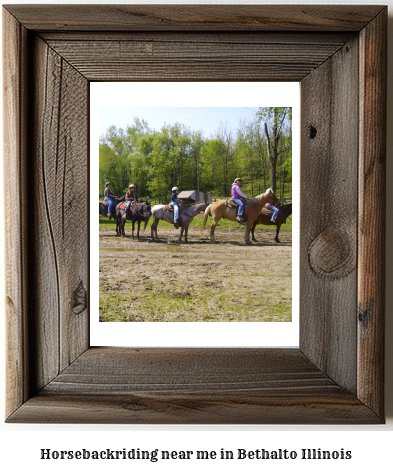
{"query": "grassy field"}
(106, 224)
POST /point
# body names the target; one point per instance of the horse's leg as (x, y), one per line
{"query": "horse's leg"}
(139, 226)
(252, 233)
(186, 232)
(247, 234)
(154, 230)
(212, 229)
(277, 232)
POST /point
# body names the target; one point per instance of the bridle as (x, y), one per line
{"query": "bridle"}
(144, 213)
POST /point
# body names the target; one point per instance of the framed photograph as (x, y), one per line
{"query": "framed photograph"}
(198, 135)
(337, 54)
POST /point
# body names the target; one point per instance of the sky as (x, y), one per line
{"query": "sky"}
(207, 119)
(198, 105)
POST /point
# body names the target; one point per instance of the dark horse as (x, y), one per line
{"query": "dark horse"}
(265, 216)
(104, 207)
(140, 212)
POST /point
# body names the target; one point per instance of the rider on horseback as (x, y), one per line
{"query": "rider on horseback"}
(236, 195)
(175, 203)
(131, 197)
(109, 198)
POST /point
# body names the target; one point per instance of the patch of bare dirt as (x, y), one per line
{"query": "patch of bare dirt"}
(196, 281)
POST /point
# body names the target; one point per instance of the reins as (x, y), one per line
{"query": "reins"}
(139, 212)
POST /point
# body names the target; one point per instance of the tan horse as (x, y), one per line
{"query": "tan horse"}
(220, 210)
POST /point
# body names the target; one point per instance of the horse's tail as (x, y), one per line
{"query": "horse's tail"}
(205, 217)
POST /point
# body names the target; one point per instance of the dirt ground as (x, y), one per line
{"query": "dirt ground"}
(196, 281)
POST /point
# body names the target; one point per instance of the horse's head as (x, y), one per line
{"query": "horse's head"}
(146, 209)
(286, 209)
(271, 197)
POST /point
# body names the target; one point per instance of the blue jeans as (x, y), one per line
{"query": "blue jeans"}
(175, 210)
(111, 203)
(128, 205)
(273, 208)
(239, 202)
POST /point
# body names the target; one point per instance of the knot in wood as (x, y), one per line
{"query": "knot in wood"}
(364, 316)
(80, 299)
(330, 254)
(313, 132)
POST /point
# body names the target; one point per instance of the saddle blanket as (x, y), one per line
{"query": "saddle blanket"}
(122, 206)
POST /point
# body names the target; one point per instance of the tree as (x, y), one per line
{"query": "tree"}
(276, 120)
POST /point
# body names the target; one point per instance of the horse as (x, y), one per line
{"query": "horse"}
(221, 210)
(265, 219)
(189, 211)
(104, 207)
(140, 212)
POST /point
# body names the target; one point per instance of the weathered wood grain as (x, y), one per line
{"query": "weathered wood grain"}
(238, 409)
(195, 17)
(59, 178)
(372, 191)
(329, 189)
(201, 37)
(14, 149)
(193, 386)
(66, 140)
(262, 60)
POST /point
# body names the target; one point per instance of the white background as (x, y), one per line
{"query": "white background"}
(370, 445)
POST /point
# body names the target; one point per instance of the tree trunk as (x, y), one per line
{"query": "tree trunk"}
(272, 152)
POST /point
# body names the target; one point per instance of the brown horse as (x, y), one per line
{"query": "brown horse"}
(264, 218)
(220, 210)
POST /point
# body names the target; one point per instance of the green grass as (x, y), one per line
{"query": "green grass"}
(106, 224)
(192, 305)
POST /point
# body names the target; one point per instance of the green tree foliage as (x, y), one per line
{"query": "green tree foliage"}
(277, 123)
(157, 160)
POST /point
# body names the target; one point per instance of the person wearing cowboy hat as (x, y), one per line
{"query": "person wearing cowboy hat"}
(131, 197)
(236, 195)
(109, 198)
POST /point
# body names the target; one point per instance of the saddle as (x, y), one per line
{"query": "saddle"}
(122, 206)
(231, 203)
(169, 208)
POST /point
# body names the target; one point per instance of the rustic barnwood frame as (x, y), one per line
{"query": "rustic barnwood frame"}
(338, 54)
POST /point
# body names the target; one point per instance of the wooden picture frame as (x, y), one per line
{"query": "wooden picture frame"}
(338, 54)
